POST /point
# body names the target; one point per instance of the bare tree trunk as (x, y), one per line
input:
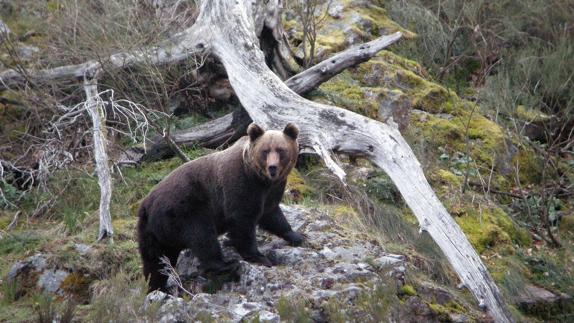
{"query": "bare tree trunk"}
(96, 111)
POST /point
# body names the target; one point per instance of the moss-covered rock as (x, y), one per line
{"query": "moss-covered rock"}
(447, 177)
(297, 189)
(529, 166)
(490, 228)
(355, 22)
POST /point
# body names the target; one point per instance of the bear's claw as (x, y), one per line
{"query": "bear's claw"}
(294, 238)
(258, 259)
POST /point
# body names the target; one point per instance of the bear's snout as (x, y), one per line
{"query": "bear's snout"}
(272, 170)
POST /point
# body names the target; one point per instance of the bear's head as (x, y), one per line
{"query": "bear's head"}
(273, 153)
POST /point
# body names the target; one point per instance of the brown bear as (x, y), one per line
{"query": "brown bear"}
(231, 191)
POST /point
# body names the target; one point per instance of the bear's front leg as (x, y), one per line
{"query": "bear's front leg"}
(200, 235)
(276, 223)
(242, 237)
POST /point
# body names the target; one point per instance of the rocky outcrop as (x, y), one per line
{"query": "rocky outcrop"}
(33, 273)
(330, 268)
(541, 302)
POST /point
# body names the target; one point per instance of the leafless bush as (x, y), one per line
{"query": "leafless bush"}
(57, 133)
(312, 14)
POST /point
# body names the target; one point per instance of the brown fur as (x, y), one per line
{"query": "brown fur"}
(232, 192)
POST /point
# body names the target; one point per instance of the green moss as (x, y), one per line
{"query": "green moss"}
(491, 228)
(529, 165)
(358, 20)
(405, 63)
(408, 290)
(380, 21)
(343, 91)
(297, 189)
(430, 97)
(441, 132)
(530, 115)
(440, 311)
(447, 177)
(331, 41)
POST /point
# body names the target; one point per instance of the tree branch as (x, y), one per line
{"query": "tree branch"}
(324, 71)
(219, 131)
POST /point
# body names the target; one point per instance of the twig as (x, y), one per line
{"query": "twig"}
(170, 272)
(14, 221)
(467, 153)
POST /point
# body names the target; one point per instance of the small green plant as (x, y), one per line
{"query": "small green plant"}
(48, 310)
(375, 305)
(120, 299)
(195, 151)
(19, 242)
(9, 291)
(293, 311)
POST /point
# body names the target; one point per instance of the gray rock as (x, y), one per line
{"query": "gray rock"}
(155, 297)
(174, 310)
(329, 266)
(82, 249)
(387, 261)
(16, 270)
(537, 300)
(51, 280)
(345, 273)
(458, 318)
(336, 10)
(395, 107)
(27, 52)
(268, 317)
(290, 255)
(244, 310)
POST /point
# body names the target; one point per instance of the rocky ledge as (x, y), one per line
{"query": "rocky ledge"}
(329, 267)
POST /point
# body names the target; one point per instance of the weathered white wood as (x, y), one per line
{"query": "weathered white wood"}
(95, 109)
(216, 132)
(328, 129)
(314, 76)
(177, 48)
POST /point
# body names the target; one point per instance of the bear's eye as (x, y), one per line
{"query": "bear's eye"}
(265, 152)
(282, 153)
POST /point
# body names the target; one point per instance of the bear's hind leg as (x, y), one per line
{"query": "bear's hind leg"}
(151, 252)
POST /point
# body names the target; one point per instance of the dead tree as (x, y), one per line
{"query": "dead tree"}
(230, 31)
(95, 108)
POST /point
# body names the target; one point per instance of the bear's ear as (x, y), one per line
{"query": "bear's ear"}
(291, 130)
(254, 131)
